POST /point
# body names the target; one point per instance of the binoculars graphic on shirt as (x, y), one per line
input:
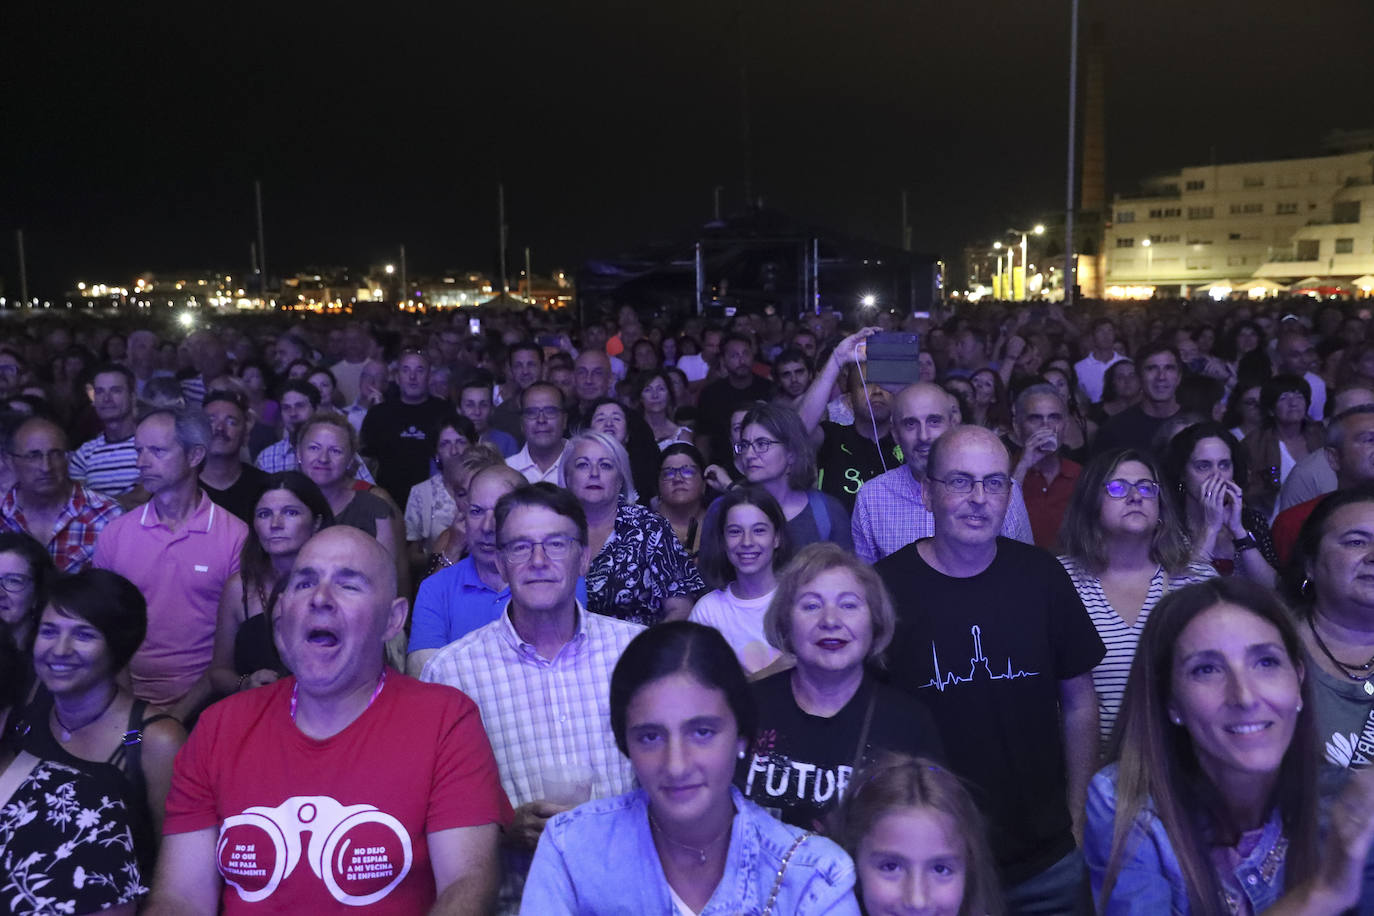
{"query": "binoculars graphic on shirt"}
(360, 852)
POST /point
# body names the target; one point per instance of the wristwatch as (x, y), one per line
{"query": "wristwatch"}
(1245, 543)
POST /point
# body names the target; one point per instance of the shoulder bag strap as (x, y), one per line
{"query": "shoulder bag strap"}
(863, 732)
(15, 774)
(782, 870)
(819, 513)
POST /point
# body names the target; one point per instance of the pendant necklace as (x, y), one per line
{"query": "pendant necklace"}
(65, 732)
(1354, 672)
(700, 852)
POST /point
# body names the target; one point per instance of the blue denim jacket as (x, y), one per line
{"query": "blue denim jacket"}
(600, 859)
(1150, 880)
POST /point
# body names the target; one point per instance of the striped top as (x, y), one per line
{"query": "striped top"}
(1121, 638)
(108, 468)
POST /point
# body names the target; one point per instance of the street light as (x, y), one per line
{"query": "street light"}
(390, 269)
(1025, 257)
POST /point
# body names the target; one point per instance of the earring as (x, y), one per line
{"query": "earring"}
(1305, 587)
(740, 755)
(1178, 720)
(1299, 709)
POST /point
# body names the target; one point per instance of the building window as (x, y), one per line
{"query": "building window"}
(1199, 241)
(1196, 184)
(1200, 213)
(1235, 260)
(1252, 181)
(1125, 216)
(1165, 213)
(1125, 243)
(1345, 246)
(1247, 209)
(1285, 209)
(1169, 238)
(1233, 236)
(1309, 249)
(1198, 264)
(1345, 211)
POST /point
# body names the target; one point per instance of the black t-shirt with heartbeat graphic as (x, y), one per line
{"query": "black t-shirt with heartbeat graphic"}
(846, 460)
(985, 655)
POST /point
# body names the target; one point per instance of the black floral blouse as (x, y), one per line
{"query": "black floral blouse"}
(641, 564)
(64, 846)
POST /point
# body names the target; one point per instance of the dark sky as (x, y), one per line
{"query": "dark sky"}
(132, 134)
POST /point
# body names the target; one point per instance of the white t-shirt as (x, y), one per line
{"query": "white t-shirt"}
(1092, 374)
(693, 366)
(740, 621)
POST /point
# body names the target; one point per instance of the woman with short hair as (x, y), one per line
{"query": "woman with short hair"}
(828, 715)
(1285, 437)
(91, 626)
(686, 841)
(682, 492)
(638, 571)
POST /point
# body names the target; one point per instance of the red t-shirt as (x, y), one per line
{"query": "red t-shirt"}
(1288, 525)
(306, 825)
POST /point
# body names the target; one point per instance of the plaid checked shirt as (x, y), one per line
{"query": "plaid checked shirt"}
(889, 514)
(541, 714)
(72, 544)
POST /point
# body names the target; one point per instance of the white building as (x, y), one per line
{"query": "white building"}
(1244, 225)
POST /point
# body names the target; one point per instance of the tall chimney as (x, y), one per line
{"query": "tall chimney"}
(1093, 204)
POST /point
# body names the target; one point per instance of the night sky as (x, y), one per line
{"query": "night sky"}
(132, 134)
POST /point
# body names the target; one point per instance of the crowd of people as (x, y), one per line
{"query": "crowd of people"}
(680, 615)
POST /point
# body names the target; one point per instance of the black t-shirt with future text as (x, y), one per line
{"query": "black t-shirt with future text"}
(401, 437)
(801, 764)
(847, 460)
(720, 399)
(986, 655)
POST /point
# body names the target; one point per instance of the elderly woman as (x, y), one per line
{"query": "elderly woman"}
(775, 452)
(1204, 463)
(1285, 437)
(827, 716)
(326, 448)
(1334, 596)
(84, 717)
(681, 712)
(1124, 550)
(431, 506)
(1209, 803)
(638, 571)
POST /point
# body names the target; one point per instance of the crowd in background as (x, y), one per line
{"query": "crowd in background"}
(683, 614)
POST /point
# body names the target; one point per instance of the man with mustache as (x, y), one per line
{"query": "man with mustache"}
(994, 640)
(228, 481)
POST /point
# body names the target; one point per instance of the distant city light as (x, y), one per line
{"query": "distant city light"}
(869, 300)
(390, 268)
(186, 319)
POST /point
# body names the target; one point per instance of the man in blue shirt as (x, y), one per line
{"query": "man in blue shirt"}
(471, 593)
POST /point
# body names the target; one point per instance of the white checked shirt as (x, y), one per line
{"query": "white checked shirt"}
(541, 713)
(890, 514)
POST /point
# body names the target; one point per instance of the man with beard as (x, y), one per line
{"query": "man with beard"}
(849, 455)
(225, 479)
(1135, 427)
(792, 373)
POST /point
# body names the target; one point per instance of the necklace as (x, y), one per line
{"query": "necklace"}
(68, 731)
(1354, 672)
(699, 852)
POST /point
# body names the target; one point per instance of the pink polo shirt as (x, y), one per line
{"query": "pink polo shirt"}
(181, 574)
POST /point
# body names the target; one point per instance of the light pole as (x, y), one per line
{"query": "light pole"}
(997, 246)
(1025, 258)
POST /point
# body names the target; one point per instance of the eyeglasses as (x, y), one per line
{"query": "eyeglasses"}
(1118, 489)
(993, 484)
(556, 547)
(52, 455)
(686, 472)
(15, 582)
(759, 445)
(541, 413)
